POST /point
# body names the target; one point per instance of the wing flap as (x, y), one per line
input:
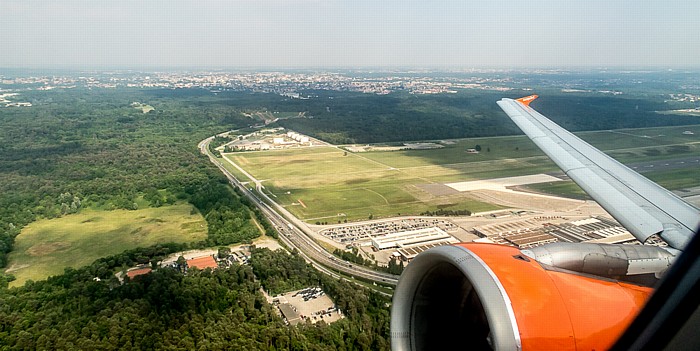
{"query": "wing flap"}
(642, 206)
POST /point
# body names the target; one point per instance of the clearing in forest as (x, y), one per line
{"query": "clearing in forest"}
(46, 247)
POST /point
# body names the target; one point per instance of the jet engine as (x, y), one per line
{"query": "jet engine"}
(559, 296)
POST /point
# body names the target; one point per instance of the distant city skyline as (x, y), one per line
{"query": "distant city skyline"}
(348, 34)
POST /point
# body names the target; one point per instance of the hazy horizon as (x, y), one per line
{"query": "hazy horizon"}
(338, 34)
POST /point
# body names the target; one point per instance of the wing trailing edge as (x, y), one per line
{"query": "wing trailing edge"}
(640, 205)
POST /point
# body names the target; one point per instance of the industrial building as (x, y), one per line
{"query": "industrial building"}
(540, 231)
(289, 313)
(411, 243)
(501, 229)
(592, 229)
(531, 239)
(409, 252)
(411, 238)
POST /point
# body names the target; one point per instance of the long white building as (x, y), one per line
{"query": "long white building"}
(412, 238)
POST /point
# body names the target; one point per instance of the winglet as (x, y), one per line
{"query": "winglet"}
(527, 100)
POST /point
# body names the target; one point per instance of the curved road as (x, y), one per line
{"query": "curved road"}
(296, 233)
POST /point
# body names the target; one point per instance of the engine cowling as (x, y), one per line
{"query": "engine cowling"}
(487, 296)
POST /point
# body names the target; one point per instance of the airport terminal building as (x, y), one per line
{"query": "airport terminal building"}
(411, 243)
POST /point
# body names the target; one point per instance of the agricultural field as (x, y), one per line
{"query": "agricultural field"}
(331, 184)
(46, 247)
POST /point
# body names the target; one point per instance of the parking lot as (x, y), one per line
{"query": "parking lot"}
(349, 234)
(310, 304)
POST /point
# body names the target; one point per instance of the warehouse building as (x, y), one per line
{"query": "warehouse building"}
(531, 233)
(412, 242)
(411, 238)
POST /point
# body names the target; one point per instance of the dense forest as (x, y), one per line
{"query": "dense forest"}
(204, 310)
(348, 117)
(90, 148)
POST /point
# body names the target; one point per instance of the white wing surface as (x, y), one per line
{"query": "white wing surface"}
(640, 205)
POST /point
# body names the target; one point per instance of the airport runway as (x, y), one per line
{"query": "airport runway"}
(665, 165)
(438, 189)
(652, 166)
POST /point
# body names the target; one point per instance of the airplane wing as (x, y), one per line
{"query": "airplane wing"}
(640, 205)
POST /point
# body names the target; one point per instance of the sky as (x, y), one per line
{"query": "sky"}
(349, 33)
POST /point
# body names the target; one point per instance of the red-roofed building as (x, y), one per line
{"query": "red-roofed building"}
(202, 262)
(137, 272)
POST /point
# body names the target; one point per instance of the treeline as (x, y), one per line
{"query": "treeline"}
(351, 117)
(166, 310)
(228, 219)
(399, 117)
(354, 257)
(279, 272)
(216, 142)
(261, 219)
(395, 267)
(443, 212)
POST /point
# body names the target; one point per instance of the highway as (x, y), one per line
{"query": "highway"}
(295, 234)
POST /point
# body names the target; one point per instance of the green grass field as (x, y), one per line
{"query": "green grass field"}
(45, 247)
(333, 184)
(676, 179)
(671, 180)
(336, 185)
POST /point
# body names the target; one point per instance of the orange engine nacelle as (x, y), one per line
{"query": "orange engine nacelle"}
(487, 296)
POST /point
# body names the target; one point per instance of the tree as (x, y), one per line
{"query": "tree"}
(223, 252)
(394, 267)
(181, 263)
(477, 147)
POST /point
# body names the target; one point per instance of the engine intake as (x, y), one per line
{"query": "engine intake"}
(487, 296)
(449, 291)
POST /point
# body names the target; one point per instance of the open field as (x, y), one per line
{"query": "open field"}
(329, 184)
(336, 185)
(517, 147)
(233, 170)
(145, 108)
(454, 152)
(676, 179)
(46, 247)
